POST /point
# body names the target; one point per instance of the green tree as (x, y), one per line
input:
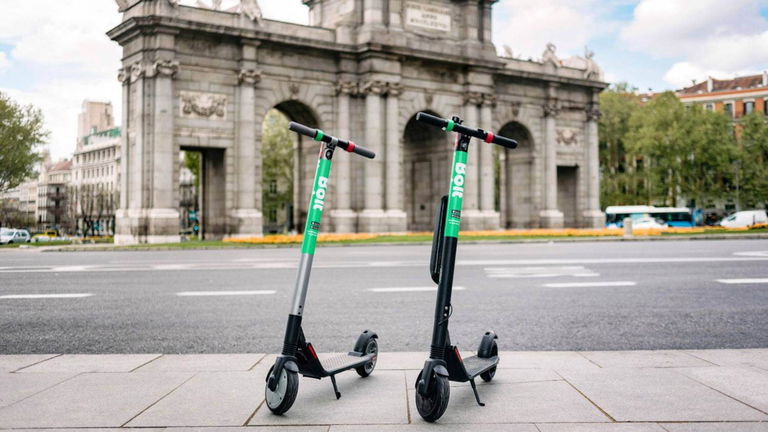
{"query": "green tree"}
(686, 151)
(752, 180)
(21, 130)
(277, 165)
(618, 184)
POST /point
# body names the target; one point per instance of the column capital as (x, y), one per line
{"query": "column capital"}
(164, 68)
(394, 89)
(489, 99)
(593, 112)
(551, 109)
(249, 77)
(473, 98)
(123, 75)
(373, 87)
(349, 88)
(136, 71)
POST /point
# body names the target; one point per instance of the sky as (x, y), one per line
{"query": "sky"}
(54, 53)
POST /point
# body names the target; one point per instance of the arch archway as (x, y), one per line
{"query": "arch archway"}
(516, 178)
(288, 162)
(426, 166)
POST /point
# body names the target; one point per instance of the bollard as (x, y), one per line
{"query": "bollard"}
(628, 227)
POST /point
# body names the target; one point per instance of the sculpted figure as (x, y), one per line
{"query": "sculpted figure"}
(592, 70)
(251, 9)
(550, 56)
(508, 51)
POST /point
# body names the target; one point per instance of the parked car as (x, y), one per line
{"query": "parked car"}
(648, 222)
(746, 218)
(14, 236)
(46, 236)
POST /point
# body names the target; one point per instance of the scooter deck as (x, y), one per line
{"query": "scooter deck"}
(476, 365)
(342, 362)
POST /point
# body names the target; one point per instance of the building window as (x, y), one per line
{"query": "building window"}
(765, 107)
(709, 107)
(749, 107)
(728, 108)
(273, 187)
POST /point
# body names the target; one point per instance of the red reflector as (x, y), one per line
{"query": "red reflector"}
(350, 147)
(311, 350)
(456, 350)
(488, 137)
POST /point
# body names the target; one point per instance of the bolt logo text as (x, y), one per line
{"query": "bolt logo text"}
(319, 200)
(457, 189)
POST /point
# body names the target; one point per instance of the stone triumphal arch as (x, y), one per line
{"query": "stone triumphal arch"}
(202, 79)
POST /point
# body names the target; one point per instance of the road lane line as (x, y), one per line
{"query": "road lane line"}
(44, 296)
(223, 293)
(744, 281)
(409, 289)
(589, 284)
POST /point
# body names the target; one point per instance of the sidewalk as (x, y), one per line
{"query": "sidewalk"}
(621, 391)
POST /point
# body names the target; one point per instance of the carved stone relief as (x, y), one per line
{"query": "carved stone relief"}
(567, 137)
(212, 106)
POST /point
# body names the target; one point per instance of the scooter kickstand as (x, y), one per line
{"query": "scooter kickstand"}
(335, 388)
(474, 389)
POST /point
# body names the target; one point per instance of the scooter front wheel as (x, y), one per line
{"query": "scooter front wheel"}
(281, 399)
(432, 406)
(372, 347)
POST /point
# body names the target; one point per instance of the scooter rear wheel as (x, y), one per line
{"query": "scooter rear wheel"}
(281, 400)
(372, 347)
(488, 375)
(432, 406)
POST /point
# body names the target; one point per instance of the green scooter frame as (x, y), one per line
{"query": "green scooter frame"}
(298, 355)
(445, 363)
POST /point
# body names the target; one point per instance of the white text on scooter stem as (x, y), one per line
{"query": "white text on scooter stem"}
(458, 181)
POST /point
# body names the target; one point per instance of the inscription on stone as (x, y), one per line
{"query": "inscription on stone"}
(427, 16)
(203, 105)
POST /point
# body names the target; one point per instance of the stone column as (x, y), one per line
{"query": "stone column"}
(246, 215)
(163, 212)
(343, 218)
(550, 216)
(485, 163)
(593, 217)
(372, 218)
(396, 217)
(122, 214)
(471, 217)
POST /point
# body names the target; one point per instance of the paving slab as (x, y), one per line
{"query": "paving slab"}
(653, 395)
(202, 363)
(599, 427)
(15, 387)
(91, 400)
(746, 384)
(252, 429)
(503, 376)
(549, 401)
(377, 399)
(13, 362)
(733, 357)
(401, 360)
(716, 427)
(208, 399)
(421, 426)
(545, 360)
(82, 363)
(644, 359)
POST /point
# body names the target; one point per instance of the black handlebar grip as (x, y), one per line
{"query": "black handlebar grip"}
(434, 121)
(304, 130)
(362, 151)
(505, 142)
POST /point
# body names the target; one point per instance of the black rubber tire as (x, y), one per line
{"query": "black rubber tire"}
(287, 400)
(432, 406)
(371, 347)
(488, 375)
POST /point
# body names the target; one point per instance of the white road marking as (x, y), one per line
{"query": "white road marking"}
(223, 293)
(409, 289)
(44, 296)
(589, 284)
(744, 281)
(752, 253)
(275, 265)
(539, 272)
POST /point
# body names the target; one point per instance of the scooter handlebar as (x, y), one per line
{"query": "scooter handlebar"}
(319, 135)
(449, 125)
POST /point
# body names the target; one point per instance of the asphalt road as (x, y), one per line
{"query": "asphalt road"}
(543, 296)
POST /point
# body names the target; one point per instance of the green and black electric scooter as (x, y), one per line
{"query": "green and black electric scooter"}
(299, 356)
(445, 363)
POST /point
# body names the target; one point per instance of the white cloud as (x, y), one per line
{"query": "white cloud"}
(527, 27)
(4, 62)
(709, 36)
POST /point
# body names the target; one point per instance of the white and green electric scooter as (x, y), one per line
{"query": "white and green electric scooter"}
(299, 356)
